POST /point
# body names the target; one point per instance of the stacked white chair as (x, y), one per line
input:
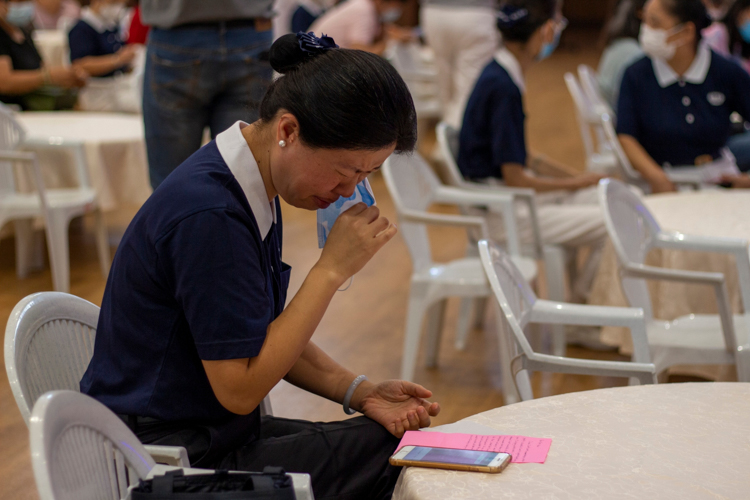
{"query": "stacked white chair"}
(688, 340)
(599, 156)
(556, 258)
(519, 308)
(414, 187)
(57, 206)
(80, 450)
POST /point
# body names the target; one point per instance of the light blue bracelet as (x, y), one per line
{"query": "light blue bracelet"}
(350, 393)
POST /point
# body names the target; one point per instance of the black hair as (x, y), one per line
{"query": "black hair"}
(737, 46)
(343, 99)
(626, 23)
(518, 19)
(689, 11)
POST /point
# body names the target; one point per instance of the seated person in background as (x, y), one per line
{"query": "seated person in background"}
(194, 332)
(55, 14)
(493, 143)
(363, 24)
(675, 104)
(306, 13)
(137, 31)
(24, 80)
(96, 43)
(622, 48)
(730, 35)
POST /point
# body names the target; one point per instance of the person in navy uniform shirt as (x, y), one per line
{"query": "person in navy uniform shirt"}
(193, 332)
(96, 41)
(675, 104)
(492, 142)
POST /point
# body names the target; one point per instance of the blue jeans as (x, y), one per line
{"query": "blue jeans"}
(739, 145)
(196, 78)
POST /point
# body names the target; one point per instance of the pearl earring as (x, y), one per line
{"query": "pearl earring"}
(282, 143)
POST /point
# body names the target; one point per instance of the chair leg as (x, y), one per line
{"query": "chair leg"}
(414, 315)
(59, 251)
(102, 243)
(435, 316)
(554, 270)
(24, 246)
(464, 322)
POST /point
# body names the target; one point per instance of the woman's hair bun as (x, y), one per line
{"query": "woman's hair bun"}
(289, 51)
(286, 54)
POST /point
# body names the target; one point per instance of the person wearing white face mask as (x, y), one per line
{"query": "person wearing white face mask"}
(55, 14)
(363, 24)
(96, 42)
(24, 80)
(492, 142)
(675, 104)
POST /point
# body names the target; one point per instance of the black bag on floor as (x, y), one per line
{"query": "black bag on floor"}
(272, 484)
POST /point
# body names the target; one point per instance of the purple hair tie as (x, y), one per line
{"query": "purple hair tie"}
(313, 45)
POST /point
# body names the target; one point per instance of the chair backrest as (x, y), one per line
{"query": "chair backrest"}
(590, 86)
(11, 136)
(412, 184)
(626, 168)
(515, 298)
(448, 141)
(49, 341)
(633, 230)
(80, 450)
(584, 112)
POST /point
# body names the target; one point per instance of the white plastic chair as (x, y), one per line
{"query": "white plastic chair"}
(49, 341)
(414, 187)
(691, 339)
(80, 450)
(555, 257)
(519, 307)
(57, 206)
(599, 157)
(418, 74)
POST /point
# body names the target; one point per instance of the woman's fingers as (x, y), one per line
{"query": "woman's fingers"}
(424, 417)
(413, 420)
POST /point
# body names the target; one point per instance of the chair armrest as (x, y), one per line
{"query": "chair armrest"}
(560, 313)
(17, 156)
(681, 275)
(52, 142)
(465, 221)
(678, 241)
(471, 197)
(644, 372)
(168, 455)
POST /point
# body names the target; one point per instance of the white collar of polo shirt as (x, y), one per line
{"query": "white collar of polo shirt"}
(507, 60)
(95, 21)
(241, 162)
(696, 73)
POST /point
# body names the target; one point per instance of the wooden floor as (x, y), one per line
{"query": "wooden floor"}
(363, 327)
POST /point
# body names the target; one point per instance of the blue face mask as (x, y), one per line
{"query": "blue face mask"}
(549, 48)
(20, 13)
(327, 216)
(745, 31)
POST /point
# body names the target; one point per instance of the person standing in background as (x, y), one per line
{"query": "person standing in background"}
(206, 66)
(54, 14)
(463, 36)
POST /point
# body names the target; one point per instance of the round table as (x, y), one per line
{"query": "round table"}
(114, 149)
(686, 441)
(716, 212)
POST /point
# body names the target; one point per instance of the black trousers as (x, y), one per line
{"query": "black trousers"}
(346, 460)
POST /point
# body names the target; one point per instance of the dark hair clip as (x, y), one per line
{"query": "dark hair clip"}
(508, 16)
(313, 45)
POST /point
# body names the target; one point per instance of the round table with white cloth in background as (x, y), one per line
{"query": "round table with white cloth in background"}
(114, 148)
(715, 212)
(686, 441)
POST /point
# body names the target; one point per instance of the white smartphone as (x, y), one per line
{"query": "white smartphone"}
(452, 459)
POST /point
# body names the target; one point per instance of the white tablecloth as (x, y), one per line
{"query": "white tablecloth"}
(115, 153)
(720, 213)
(686, 441)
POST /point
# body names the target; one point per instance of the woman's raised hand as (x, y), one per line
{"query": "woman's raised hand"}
(355, 237)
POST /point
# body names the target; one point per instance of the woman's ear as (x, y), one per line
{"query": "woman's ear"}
(287, 129)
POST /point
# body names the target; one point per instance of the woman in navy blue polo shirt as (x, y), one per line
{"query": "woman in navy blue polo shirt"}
(492, 145)
(193, 332)
(96, 41)
(675, 104)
